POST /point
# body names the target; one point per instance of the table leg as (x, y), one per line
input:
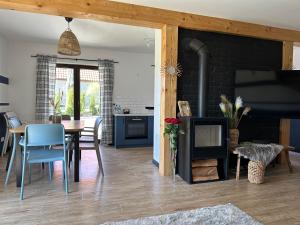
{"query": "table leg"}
(76, 157)
(18, 163)
(238, 167)
(287, 156)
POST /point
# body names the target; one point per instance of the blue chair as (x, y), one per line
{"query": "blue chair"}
(13, 123)
(46, 137)
(69, 137)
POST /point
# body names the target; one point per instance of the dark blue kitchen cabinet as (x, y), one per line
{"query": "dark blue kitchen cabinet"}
(133, 131)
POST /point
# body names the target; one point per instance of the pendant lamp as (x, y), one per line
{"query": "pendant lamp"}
(68, 43)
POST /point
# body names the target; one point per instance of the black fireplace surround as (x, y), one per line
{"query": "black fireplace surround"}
(225, 55)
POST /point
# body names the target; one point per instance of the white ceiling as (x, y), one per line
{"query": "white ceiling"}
(278, 13)
(47, 29)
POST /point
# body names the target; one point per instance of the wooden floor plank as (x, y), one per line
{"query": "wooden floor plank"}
(133, 188)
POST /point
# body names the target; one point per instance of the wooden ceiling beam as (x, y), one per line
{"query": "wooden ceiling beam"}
(124, 13)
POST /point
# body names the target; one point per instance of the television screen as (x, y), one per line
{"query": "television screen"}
(270, 92)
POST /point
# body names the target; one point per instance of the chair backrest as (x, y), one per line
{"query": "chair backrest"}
(11, 114)
(96, 129)
(14, 122)
(63, 117)
(44, 135)
(11, 121)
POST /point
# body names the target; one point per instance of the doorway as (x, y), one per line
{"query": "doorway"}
(78, 89)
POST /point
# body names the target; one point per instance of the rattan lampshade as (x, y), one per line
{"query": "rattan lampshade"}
(68, 43)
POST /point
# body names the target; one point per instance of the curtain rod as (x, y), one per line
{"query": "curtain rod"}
(75, 59)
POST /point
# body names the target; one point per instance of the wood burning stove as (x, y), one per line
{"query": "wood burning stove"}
(204, 139)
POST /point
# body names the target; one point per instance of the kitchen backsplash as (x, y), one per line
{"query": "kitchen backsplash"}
(136, 106)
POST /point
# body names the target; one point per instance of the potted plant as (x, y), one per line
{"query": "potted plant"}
(234, 117)
(55, 103)
(172, 129)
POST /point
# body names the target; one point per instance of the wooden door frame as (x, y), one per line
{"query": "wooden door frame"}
(168, 22)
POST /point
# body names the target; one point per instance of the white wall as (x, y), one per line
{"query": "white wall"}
(296, 58)
(3, 71)
(3, 52)
(157, 82)
(134, 76)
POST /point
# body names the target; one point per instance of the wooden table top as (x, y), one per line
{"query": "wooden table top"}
(70, 126)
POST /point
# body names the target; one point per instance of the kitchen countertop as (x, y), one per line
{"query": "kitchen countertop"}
(135, 114)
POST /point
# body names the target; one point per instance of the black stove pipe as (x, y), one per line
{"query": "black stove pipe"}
(202, 51)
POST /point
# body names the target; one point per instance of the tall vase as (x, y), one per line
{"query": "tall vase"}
(56, 118)
(234, 138)
(173, 154)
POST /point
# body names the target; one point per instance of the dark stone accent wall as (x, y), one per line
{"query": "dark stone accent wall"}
(227, 53)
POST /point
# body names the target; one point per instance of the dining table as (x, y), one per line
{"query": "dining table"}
(73, 127)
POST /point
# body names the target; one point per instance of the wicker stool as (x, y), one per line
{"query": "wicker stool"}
(256, 172)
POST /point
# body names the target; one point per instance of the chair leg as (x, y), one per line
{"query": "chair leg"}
(8, 160)
(23, 175)
(238, 168)
(29, 173)
(70, 157)
(287, 156)
(50, 171)
(66, 176)
(11, 162)
(5, 144)
(98, 153)
(63, 169)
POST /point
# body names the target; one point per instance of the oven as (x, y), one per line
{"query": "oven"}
(136, 127)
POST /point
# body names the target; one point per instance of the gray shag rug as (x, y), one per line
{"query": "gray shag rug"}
(217, 215)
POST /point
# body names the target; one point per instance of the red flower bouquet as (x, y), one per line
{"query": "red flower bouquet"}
(172, 129)
(172, 120)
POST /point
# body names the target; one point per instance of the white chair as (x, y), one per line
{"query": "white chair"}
(90, 141)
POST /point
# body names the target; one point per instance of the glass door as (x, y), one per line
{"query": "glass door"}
(78, 91)
(89, 95)
(64, 90)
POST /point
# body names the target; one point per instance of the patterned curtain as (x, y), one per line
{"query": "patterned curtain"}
(45, 86)
(106, 72)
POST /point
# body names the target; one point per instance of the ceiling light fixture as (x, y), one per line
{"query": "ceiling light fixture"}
(68, 43)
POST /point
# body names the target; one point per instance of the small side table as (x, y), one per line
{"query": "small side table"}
(286, 150)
